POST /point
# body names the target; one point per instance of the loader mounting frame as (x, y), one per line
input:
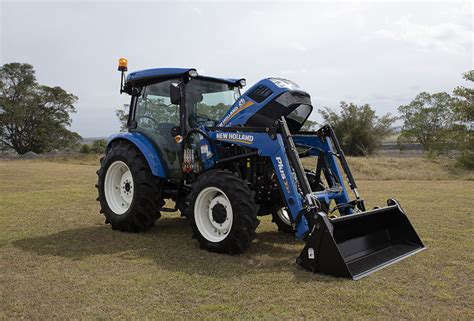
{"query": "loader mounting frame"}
(377, 237)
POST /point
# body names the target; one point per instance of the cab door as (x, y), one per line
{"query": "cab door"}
(155, 116)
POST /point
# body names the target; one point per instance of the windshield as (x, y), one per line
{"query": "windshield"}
(207, 101)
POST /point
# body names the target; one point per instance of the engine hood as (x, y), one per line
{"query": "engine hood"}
(267, 101)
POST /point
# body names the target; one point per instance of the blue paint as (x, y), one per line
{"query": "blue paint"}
(146, 148)
(169, 73)
(324, 145)
(238, 114)
(275, 149)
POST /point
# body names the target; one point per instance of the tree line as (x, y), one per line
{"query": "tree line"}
(439, 122)
(35, 117)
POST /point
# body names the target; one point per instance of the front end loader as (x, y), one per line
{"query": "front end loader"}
(226, 158)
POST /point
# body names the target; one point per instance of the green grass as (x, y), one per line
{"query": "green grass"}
(58, 260)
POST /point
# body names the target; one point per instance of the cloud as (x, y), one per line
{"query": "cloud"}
(197, 11)
(297, 46)
(447, 37)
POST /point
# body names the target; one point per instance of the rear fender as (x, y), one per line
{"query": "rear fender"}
(146, 148)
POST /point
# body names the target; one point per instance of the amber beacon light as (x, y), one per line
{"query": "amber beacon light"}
(122, 65)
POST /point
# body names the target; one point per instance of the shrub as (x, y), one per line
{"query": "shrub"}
(359, 130)
(85, 149)
(98, 146)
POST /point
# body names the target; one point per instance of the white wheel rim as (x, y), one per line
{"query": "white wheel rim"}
(284, 215)
(119, 187)
(212, 229)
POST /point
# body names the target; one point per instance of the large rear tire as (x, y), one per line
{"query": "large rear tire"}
(222, 212)
(129, 194)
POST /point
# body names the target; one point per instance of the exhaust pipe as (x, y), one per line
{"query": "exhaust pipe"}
(356, 245)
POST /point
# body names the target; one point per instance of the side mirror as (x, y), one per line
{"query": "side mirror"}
(175, 93)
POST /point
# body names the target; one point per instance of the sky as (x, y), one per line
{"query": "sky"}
(382, 54)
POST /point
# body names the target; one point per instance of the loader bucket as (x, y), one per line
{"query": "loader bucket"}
(356, 245)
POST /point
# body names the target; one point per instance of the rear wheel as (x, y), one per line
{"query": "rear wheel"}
(222, 212)
(129, 194)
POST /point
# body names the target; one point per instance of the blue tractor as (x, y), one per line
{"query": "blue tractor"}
(225, 158)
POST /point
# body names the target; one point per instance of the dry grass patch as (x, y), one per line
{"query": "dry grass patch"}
(59, 261)
(402, 168)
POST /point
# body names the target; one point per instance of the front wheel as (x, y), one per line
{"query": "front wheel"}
(222, 212)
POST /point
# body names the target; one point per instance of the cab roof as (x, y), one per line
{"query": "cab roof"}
(147, 76)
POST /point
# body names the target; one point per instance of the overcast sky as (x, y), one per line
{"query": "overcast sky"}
(381, 54)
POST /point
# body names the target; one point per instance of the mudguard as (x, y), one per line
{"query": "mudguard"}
(146, 148)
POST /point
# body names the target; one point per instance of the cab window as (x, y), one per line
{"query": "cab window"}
(207, 101)
(155, 116)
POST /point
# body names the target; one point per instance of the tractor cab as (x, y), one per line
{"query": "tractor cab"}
(167, 102)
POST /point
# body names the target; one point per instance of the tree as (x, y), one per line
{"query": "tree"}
(85, 149)
(163, 113)
(463, 107)
(359, 130)
(309, 125)
(36, 117)
(122, 115)
(98, 146)
(428, 120)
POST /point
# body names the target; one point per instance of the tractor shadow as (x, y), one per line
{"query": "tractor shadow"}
(169, 245)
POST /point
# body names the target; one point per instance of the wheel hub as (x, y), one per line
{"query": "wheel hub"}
(213, 214)
(219, 213)
(118, 187)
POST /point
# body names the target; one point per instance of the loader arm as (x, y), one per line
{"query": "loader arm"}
(353, 245)
(279, 145)
(275, 149)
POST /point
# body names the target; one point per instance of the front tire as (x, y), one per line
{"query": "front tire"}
(222, 212)
(281, 215)
(129, 194)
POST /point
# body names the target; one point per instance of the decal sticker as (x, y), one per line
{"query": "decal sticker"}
(205, 149)
(311, 253)
(241, 105)
(284, 83)
(235, 137)
(282, 173)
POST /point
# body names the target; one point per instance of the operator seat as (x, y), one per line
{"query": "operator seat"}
(192, 99)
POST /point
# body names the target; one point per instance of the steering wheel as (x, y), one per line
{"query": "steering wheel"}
(150, 118)
(199, 119)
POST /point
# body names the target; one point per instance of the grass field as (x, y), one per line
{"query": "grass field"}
(58, 260)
